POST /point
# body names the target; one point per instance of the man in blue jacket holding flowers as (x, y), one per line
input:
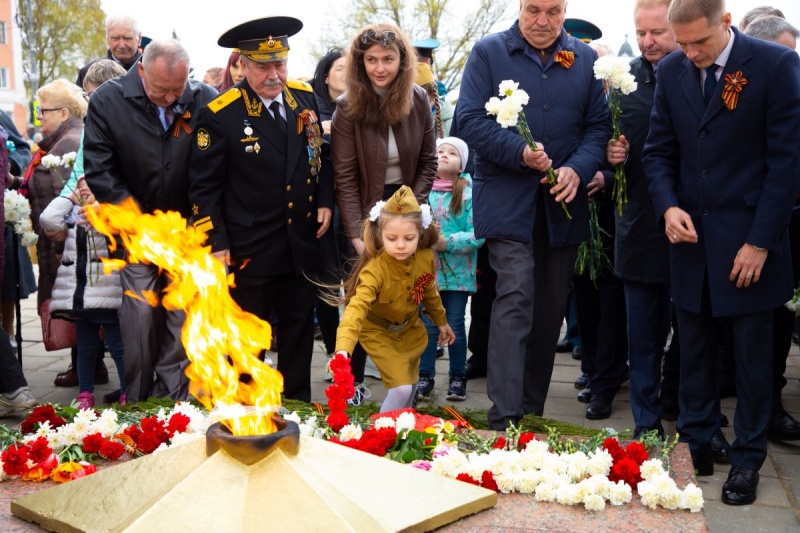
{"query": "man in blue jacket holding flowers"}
(532, 242)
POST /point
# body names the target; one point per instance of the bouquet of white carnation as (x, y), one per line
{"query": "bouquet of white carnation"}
(616, 76)
(18, 215)
(509, 112)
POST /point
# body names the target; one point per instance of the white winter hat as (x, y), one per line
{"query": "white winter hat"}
(460, 145)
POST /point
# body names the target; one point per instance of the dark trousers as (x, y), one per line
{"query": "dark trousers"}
(11, 377)
(480, 308)
(670, 372)
(700, 381)
(292, 297)
(152, 338)
(648, 306)
(330, 274)
(600, 311)
(533, 280)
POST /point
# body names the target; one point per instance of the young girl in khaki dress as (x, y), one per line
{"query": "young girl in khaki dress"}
(395, 274)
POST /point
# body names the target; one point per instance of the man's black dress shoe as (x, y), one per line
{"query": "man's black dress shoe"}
(585, 395)
(582, 382)
(740, 488)
(720, 447)
(703, 461)
(563, 346)
(577, 353)
(476, 367)
(782, 426)
(640, 431)
(598, 408)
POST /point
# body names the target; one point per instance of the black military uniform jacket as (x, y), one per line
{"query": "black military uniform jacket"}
(255, 188)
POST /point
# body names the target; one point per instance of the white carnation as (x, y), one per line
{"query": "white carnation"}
(350, 432)
(600, 462)
(545, 492)
(692, 498)
(384, 422)
(51, 161)
(493, 106)
(508, 87)
(293, 417)
(405, 421)
(69, 159)
(651, 468)
(593, 502)
(620, 493)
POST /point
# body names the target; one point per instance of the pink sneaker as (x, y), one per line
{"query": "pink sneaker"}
(123, 399)
(85, 400)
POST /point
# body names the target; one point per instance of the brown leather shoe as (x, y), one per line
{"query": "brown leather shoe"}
(68, 378)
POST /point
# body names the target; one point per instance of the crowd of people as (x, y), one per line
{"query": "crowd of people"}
(361, 202)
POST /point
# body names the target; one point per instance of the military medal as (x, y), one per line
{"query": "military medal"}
(256, 147)
(308, 119)
(247, 129)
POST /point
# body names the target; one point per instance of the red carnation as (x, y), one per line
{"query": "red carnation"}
(612, 446)
(524, 439)
(627, 471)
(177, 424)
(15, 459)
(43, 413)
(468, 479)
(92, 443)
(499, 444)
(112, 450)
(39, 450)
(133, 432)
(338, 420)
(488, 482)
(637, 452)
(148, 442)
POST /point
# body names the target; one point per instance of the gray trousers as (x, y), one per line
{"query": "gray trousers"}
(155, 360)
(533, 281)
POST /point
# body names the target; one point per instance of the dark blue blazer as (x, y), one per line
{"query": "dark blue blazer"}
(736, 172)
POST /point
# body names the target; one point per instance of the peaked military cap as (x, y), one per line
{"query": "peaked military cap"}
(582, 29)
(425, 47)
(262, 40)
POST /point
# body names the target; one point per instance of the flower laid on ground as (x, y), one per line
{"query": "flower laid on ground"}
(615, 73)
(793, 305)
(18, 215)
(510, 113)
(67, 446)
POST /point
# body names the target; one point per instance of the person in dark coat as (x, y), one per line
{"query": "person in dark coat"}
(123, 38)
(137, 144)
(532, 244)
(723, 173)
(262, 188)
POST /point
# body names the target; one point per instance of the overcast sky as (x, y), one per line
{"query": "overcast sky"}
(199, 24)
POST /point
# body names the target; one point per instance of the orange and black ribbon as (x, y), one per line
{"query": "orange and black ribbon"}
(182, 123)
(420, 284)
(458, 416)
(734, 83)
(318, 407)
(565, 57)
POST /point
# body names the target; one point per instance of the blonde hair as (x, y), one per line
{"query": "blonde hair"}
(63, 94)
(372, 234)
(361, 101)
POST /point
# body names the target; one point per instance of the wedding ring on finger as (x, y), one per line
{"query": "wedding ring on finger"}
(749, 274)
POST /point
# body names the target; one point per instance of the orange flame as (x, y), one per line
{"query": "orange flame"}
(221, 340)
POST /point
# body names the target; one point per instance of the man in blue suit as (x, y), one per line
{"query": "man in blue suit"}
(724, 171)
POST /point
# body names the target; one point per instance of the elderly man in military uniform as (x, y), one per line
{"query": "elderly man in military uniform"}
(262, 188)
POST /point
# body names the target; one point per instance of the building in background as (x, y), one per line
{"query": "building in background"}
(12, 85)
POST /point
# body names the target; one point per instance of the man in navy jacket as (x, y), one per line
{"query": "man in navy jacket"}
(532, 244)
(724, 171)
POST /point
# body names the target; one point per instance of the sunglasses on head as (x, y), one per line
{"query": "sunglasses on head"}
(385, 38)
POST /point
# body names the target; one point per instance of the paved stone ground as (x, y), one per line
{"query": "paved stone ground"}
(776, 509)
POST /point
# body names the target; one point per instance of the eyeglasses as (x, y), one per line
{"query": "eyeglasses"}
(43, 110)
(384, 38)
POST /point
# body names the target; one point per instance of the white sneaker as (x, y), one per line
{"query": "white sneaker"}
(16, 401)
(362, 393)
(370, 370)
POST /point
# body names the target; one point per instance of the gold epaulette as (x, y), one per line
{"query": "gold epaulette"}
(300, 85)
(224, 99)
